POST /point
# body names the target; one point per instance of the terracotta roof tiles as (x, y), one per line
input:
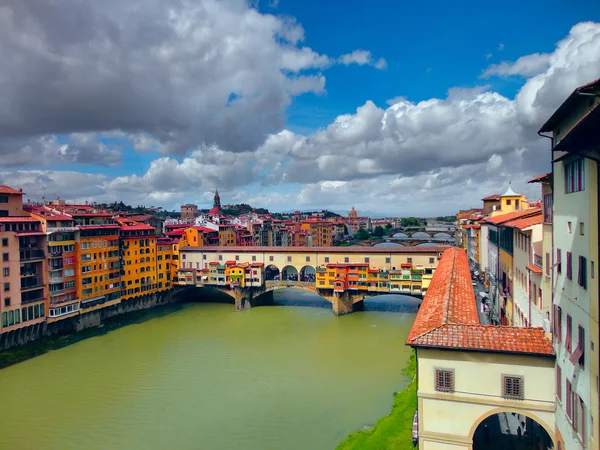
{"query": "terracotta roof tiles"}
(8, 190)
(502, 218)
(490, 198)
(448, 318)
(526, 222)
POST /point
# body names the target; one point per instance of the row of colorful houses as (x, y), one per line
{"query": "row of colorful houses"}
(539, 261)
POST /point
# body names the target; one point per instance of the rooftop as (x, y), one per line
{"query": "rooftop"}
(448, 318)
(490, 198)
(541, 179)
(502, 218)
(510, 193)
(525, 222)
(8, 190)
(18, 219)
(351, 250)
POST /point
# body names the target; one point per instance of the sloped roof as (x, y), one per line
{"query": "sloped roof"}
(8, 190)
(525, 222)
(499, 220)
(490, 198)
(448, 318)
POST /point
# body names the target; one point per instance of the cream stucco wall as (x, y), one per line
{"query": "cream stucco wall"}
(450, 419)
(307, 257)
(572, 298)
(483, 249)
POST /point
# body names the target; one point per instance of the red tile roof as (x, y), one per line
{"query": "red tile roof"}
(140, 218)
(97, 227)
(541, 178)
(490, 198)
(526, 222)
(8, 190)
(137, 227)
(448, 318)
(534, 269)
(30, 233)
(499, 220)
(177, 232)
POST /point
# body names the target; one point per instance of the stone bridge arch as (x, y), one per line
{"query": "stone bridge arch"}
(508, 410)
(288, 272)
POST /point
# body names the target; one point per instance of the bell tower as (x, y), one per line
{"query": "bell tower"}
(217, 200)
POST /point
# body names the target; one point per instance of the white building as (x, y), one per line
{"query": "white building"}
(576, 156)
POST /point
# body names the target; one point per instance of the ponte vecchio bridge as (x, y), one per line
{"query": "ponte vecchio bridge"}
(342, 275)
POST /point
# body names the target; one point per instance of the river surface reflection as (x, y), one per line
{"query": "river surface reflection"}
(206, 377)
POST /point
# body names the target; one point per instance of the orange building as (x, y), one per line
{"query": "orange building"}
(99, 278)
(321, 231)
(163, 263)
(62, 235)
(138, 253)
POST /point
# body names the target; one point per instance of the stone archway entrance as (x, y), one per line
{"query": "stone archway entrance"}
(511, 430)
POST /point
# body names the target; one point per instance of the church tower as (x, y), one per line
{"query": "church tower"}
(217, 200)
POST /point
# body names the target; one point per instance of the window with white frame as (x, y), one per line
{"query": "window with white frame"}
(575, 176)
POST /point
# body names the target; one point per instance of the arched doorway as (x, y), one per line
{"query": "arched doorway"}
(511, 430)
(308, 274)
(271, 273)
(289, 273)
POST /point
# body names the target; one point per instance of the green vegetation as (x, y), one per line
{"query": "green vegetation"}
(451, 219)
(394, 431)
(412, 222)
(140, 209)
(45, 344)
(378, 231)
(361, 235)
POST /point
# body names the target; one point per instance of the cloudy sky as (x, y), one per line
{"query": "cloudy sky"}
(399, 109)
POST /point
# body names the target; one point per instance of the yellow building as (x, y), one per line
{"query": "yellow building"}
(473, 378)
(139, 260)
(506, 277)
(99, 278)
(164, 251)
(321, 232)
(510, 201)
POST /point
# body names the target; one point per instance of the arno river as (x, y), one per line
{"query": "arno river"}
(205, 377)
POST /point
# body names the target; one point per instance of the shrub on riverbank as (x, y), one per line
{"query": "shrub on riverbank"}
(394, 431)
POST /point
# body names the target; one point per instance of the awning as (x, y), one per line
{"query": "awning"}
(534, 269)
(574, 358)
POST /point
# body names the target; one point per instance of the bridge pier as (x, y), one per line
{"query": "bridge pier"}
(344, 303)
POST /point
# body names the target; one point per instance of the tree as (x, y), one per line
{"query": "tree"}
(388, 226)
(361, 235)
(378, 231)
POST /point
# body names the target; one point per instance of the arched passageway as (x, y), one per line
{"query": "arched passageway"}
(420, 235)
(298, 297)
(388, 244)
(511, 430)
(272, 273)
(308, 274)
(428, 244)
(442, 236)
(289, 273)
(400, 236)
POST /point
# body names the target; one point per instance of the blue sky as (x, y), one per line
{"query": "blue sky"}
(75, 117)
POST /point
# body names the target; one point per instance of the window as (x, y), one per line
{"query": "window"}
(220, 257)
(592, 269)
(547, 264)
(409, 260)
(308, 259)
(569, 399)
(569, 228)
(444, 380)
(568, 337)
(508, 202)
(4, 257)
(516, 204)
(6, 287)
(569, 265)
(237, 257)
(388, 260)
(6, 301)
(578, 355)
(6, 271)
(431, 260)
(559, 383)
(346, 259)
(4, 242)
(582, 273)
(367, 260)
(512, 387)
(183, 256)
(574, 176)
(327, 259)
(289, 259)
(581, 228)
(3, 198)
(558, 260)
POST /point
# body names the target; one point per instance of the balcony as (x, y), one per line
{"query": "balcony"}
(538, 261)
(28, 272)
(55, 279)
(31, 283)
(31, 255)
(32, 296)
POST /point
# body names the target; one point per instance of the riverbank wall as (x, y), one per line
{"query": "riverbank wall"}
(394, 431)
(73, 325)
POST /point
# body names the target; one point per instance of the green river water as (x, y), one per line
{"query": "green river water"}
(206, 377)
